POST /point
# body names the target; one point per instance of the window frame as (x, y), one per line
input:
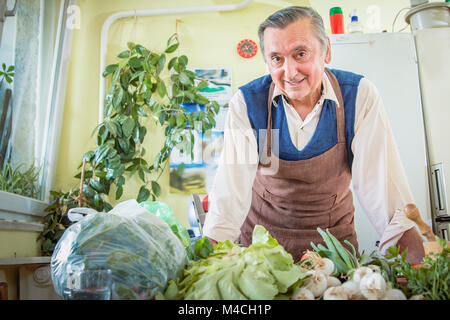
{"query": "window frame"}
(18, 208)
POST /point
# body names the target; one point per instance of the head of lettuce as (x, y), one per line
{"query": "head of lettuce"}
(261, 271)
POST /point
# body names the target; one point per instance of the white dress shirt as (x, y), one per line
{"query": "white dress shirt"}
(378, 177)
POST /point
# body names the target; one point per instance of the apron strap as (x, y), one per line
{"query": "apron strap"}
(340, 114)
(269, 120)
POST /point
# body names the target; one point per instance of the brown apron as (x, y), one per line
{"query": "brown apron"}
(305, 194)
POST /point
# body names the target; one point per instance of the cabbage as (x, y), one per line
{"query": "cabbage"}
(263, 271)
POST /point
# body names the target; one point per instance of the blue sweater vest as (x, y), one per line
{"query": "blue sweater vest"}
(325, 137)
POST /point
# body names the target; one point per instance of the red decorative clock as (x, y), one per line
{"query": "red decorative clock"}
(247, 48)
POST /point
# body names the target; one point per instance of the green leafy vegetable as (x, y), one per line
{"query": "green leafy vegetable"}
(431, 278)
(343, 259)
(263, 271)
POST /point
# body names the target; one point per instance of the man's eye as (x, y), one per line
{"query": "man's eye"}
(301, 54)
(276, 59)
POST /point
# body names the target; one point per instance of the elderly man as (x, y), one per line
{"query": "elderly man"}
(314, 130)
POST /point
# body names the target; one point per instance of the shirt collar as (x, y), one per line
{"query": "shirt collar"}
(327, 92)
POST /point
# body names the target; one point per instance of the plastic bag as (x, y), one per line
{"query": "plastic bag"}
(163, 211)
(140, 249)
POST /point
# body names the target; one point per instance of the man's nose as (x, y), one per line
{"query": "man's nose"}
(289, 69)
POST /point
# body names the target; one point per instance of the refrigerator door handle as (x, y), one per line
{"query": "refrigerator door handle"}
(440, 203)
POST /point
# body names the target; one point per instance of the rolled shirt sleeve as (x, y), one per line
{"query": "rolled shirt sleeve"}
(378, 176)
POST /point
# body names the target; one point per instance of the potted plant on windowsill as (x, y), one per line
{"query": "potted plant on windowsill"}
(138, 90)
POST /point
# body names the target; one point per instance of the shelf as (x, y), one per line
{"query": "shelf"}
(24, 261)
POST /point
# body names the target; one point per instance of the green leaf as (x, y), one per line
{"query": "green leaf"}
(181, 120)
(141, 174)
(183, 60)
(120, 181)
(201, 99)
(47, 245)
(173, 39)
(184, 79)
(172, 63)
(119, 192)
(172, 48)
(128, 127)
(101, 153)
(161, 63)
(156, 188)
(143, 195)
(162, 116)
(203, 248)
(216, 106)
(110, 69)
(161, 88)
(124, 54)
(141, 111)
(136, 63)
(142, 133)
(202, 85)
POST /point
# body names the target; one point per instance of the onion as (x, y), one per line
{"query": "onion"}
(353, 290)
(359, 273)
(336, 293)
(333, 282)
(328, 266)
(374, 268)
(394, 294)
(373, 286)
(317, 283)
(302, 294)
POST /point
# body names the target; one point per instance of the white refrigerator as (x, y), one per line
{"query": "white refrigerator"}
(433, 53)
(389, 61)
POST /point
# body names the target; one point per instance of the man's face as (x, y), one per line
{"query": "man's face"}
(295, 60)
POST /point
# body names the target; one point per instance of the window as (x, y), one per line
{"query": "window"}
(36, 41)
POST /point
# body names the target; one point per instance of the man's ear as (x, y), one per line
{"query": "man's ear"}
(328, 52)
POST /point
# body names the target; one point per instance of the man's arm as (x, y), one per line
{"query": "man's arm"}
(412, 241)
(231, 193)
(379, 179)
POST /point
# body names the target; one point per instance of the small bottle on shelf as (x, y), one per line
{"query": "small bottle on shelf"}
(354, 26)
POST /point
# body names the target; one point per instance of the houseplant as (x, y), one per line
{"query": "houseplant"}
(138, 90)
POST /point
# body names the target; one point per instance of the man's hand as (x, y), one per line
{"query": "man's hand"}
(212, 241)
(412, 241)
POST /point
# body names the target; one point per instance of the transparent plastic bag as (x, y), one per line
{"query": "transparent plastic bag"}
(140, 249)
(163, 211)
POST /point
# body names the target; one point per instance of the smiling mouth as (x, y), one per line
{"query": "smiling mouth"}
(294, 83)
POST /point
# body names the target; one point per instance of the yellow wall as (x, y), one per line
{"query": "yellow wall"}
(208, 39)
(16, 244)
